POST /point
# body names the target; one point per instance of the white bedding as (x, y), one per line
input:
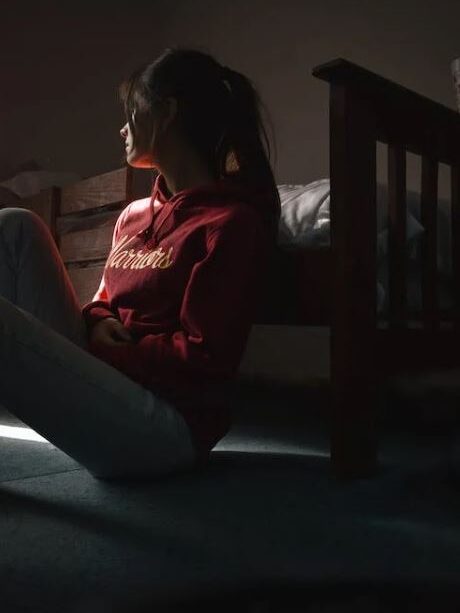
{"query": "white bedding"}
(305, 215)
(305, 222)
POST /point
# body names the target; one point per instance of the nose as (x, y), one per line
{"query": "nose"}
(123, 131)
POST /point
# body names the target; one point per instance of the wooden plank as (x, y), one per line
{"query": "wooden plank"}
(117, 186)
(397, 315)
(86, 280)
(93, 192)
(428, 216)
(455, 224)
(423, 126)
(86, 238)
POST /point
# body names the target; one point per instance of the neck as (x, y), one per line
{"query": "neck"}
(185, 174)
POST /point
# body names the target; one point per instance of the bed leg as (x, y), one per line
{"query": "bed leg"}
(353, 214)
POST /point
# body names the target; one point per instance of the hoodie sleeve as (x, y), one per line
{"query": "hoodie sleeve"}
(99, 307)
(216, 314)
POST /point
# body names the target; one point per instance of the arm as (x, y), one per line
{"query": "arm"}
(99, 307)
(216, 315)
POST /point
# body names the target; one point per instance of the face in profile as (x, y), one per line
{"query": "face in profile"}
(127, 136)
(136, 149)
(142, 150)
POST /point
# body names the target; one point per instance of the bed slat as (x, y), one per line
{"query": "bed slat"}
(88, 214)
(86, 238)
(397, 235)
(93, 192)
(428, 214)
(455, 221)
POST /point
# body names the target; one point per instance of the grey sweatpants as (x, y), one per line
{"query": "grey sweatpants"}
(104, 420)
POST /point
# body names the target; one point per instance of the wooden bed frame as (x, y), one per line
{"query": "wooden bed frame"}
(333, 286)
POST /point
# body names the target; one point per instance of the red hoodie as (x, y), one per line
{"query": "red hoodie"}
(184, 275)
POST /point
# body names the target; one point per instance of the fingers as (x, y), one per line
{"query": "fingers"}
(111, 332)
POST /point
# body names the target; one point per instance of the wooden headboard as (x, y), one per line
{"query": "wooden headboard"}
(82, 216)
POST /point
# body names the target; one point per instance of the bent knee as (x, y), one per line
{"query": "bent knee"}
(14, 214)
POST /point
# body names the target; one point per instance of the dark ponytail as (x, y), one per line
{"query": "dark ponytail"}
(218, 114)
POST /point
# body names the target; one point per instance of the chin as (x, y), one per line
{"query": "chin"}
(140, 160)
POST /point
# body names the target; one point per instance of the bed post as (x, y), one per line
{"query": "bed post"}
(353, 310)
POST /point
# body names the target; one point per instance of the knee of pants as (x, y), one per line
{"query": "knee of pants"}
(17, 215)
(16, 212)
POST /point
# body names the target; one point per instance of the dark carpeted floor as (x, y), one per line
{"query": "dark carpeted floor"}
(266, 527)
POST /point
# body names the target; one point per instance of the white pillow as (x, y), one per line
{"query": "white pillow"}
(305, 215)
(302, 222)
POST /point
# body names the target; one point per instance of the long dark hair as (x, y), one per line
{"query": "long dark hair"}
(218, 114)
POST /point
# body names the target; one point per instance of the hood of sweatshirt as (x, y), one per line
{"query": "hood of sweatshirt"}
(217, 193)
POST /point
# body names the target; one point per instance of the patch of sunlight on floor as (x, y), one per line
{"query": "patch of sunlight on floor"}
(24, 434)
(272, 447)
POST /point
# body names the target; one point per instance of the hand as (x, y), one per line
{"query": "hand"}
(110, 331)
